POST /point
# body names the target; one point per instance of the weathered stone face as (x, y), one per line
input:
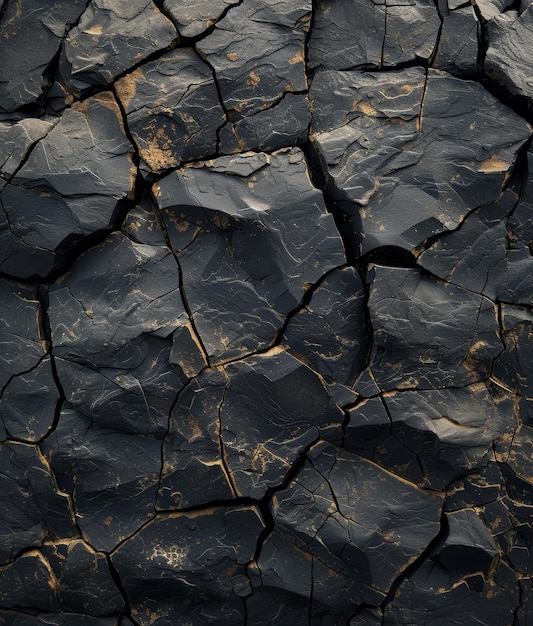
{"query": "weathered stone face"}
(266, 312)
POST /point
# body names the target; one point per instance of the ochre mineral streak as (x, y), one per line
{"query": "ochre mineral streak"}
(266, 312)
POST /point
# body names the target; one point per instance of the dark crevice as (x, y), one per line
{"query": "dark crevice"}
(186, 305)
(44, 323)
(118, 582)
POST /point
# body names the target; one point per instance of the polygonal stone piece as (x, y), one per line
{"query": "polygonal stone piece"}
(428, 334)
(348, 34)
(190, 565)
(67, 189)
(408, 155)
(192, 18)
(180, 123)
(330, 332)
(110, 38)
(251, 234)
(258, 53)
(356, 518)
(31, 32)
(509, 51)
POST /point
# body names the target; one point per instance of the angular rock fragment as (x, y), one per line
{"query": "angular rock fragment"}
(408, 155)
(238, 431)
(446, 598)
(28, 403)
(457, 50)
(356, 518)
(509, 52)
(428, 437)
(467, 546)
(292, 586)
(513, 368)
(111, 476)
(491, 8)
(58, 619)
(429, 334)
(67, 576)
(31, 32)
(285, 124)
(330, 333)
(251, 234)
(98, 318)
(33, 508)
(372, 35)
(190, 566)
(28, 392)
(17, 138)
(112, 345)
(258, 53)
(67, 189)
(193, 18)
(111, 37)
(173, 109)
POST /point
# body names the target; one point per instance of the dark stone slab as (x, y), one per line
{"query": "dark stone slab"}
(32, 506)
(109, 39)
(406, 155)
(447, 597)
(467, 545)
(17, 138)
(239, 430)
(190, 566)
(458, 46)
(251, 234)
(192, 18)
(258, 52)
(330, 333)
(509, 51)
(31, 32)
(356, 518)
(28, 403)
(428, 334)
(372, 35)
(67, 188)
(290, 585)
(429, 437)
(112, 476)
(284, 124)
(181, 123)
(513, 368)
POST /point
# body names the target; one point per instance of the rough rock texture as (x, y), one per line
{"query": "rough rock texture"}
(266, 313)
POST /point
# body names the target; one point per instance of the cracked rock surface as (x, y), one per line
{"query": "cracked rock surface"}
(266, 312)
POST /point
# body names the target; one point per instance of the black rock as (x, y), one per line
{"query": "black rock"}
(31, 33)
(408, 154)
(109, 39)
(190, 566)
(458, 45)
(258, 53)
(330, 333)
(509, 51)
(356, 518)
(179, 125)
(369, 35)
(251, 234)
(239, 430)
(33, 508)
(67, 188)
(428, 334)
(192, 18)
(428, 437)
(111, 476)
